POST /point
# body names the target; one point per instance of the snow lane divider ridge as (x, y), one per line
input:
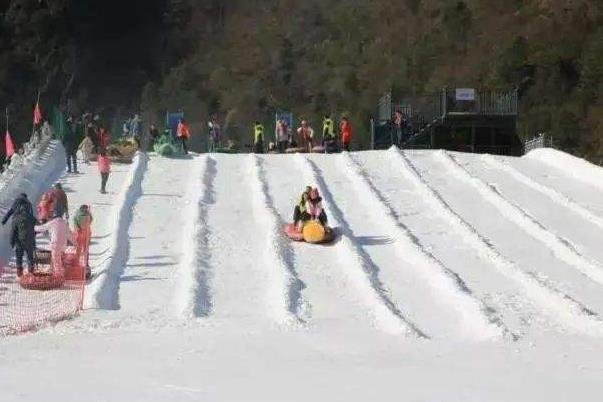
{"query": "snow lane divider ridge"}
(560, 247)
(192, 297)
(357, 264)
(480, 320)
(285, 288)
(103, 292)
(34, 178)
(558, 306)
(552, 194)
(569, 165)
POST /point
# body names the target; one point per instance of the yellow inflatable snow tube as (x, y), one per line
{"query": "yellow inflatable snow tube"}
(313, 232)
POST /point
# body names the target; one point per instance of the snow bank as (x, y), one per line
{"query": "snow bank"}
(576, 168)
(355, 263)
(479, 320)
(192, 296)
(284, 285)
(103, 292)
(557, 305)
(32, 175)
(560, 247)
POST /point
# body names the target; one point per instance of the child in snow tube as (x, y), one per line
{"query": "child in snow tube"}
(314, 210)
(310, 219)
(300, 209)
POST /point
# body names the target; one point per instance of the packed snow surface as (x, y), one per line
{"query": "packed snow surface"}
(453, 277)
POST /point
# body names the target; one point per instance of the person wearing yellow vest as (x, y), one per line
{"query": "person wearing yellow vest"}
(328, 128)
(328, 134)
(258, 138)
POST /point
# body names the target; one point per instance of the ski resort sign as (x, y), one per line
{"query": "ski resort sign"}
(465, 94)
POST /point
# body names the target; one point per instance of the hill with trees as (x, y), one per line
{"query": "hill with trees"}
(244, 59)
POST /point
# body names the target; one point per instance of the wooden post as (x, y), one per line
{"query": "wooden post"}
(473, 137)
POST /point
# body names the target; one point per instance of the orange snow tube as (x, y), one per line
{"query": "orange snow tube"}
(314, 232)
(41, 281)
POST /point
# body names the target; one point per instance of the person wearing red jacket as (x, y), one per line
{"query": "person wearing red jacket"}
(183, 132)
(104, 167)
(345, 130)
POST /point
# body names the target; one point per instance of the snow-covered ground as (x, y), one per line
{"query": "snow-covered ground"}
(454, 277)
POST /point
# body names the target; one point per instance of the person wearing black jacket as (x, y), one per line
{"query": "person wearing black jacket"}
(21, 200)
(22, 238)
(70, 143)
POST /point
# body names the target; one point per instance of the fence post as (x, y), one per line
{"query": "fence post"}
(372, 133)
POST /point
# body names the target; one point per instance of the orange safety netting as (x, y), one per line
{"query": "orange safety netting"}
(34, 300)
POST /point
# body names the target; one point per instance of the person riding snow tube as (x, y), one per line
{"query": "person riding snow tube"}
(310, 220)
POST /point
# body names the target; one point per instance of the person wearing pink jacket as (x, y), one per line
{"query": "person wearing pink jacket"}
(104, 167)
(60, 236)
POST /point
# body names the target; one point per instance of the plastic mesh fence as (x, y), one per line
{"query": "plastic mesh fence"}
(24, 309)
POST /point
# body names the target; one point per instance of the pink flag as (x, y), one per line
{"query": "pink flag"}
(10, 147)
(37, 114)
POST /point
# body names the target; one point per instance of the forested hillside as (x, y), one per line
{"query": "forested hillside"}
(246, 58)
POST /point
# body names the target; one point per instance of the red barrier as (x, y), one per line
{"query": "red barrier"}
(34, 300)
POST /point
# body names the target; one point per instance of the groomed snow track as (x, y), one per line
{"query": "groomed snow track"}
(424, 246)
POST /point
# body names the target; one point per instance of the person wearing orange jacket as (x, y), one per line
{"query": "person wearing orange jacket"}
(183, 133)
(345, 130)
(82, 223)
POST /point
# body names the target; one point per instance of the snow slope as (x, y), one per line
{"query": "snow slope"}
(453, 277)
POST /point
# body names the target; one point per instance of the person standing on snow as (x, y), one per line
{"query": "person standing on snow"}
(282, 135)
(136, 126)
(104, 167)
(70, 144)
(45, 207)
(183, 133)
(59, 201)
(328, 128)
(345, 130)
(306, 135)
(153, 135)
(215, 134)
(87, 147)
(258, 138)
(60, 235)
(17, 203)
(82, 223)
(328, 134)
(22, 238)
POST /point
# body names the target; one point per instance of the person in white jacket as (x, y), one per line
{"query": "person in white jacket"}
(60, 235)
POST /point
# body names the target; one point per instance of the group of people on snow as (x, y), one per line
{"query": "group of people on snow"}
(304, 137)
(90, 136)
(52, 218)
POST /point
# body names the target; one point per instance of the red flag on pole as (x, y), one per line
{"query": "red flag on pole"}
(37, 114)
(10, 147)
